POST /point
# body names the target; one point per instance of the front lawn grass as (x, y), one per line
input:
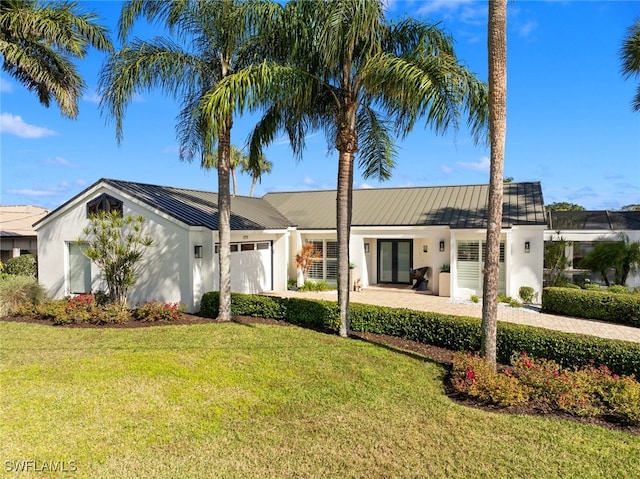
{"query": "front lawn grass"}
(256, 401)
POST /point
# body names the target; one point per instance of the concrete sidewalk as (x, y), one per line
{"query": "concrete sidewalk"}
(407, 298)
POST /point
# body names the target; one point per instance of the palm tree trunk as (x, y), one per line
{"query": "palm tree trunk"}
(254, 180)
(224, 223)
(347, 145)
(343, 201)
(497, 46)
(235, 181)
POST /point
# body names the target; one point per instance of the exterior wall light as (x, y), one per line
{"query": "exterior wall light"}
(527, 247)
(197, 251)
(366, 247)
(441, 245)
(425, 248)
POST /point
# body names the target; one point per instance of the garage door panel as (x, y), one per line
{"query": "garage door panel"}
(251, 269)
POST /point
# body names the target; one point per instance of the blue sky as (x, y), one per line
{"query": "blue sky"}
(569, 119)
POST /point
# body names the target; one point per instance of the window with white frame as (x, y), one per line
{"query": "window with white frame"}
(79, 270)
(326, 268)
(471, 262)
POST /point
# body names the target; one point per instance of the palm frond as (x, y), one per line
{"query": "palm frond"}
(377, 153)
(38, 42)
(630, 53)
(143, 66)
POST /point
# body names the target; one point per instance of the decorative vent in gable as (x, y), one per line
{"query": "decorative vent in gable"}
(105, 203)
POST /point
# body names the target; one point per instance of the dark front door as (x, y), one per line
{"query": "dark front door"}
(394, 261)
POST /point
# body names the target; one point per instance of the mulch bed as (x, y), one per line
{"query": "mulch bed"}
(432, 353)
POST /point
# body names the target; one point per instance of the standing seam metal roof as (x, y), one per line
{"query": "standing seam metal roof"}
(459, 207)
(200, 208)
(594, 220)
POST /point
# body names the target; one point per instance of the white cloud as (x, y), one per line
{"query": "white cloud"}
(58, 161)
(171, 150)
(41, 191)
(526, 29)
(364, 186)
(465, 11)
(482, 165)
(92, 97)
(432, 6)
(309, 181)
(446, 169)
(15, 125)
(5, 86)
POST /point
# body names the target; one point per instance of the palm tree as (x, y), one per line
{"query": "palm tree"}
(236, 158)
(263, 166)
(497, 47)
(622, 255)
(631, 58)
(38, 42)
(216, 35)
(345, 69)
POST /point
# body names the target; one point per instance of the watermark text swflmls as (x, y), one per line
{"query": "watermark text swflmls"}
(34, 465)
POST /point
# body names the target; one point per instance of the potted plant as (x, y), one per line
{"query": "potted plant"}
(444, 280)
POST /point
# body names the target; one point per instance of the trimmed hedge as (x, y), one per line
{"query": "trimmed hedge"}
(458, 333)
(593, 304)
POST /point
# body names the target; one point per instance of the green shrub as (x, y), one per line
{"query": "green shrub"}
(571, 286)
(586, 391)
(591, 304)
(110, 313)
(623, 399)
(315, 286)
(17, 291)
(244, 305)
(475, 298)
(82, 308)
(527, 294)
(157, 311)
(24, 265)
(592, 287)
(457, 333)
(471, 375)
(618, 289)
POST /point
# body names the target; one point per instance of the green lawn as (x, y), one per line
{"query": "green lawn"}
(232, 400)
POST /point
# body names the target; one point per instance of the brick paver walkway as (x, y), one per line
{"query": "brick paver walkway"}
(408, 298)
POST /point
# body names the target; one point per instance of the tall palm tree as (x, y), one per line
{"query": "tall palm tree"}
(631, 58)
(215, 35)
(343, 68)
(263, 166)
(38, 42)
(497, 48)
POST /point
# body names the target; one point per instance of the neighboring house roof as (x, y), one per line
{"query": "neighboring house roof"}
(459, 207)
(18, 220)
(593, 220)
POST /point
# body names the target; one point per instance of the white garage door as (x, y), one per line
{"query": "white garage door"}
(251, 267)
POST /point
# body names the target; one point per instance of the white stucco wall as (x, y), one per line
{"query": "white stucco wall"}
(169, 271)
(165, 270)
(522, 269)
(526, 268)
(367, 263)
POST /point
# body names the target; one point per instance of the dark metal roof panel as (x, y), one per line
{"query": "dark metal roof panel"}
(200, 208)
(594, 220)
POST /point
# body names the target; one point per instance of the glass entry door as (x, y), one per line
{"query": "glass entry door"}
(394, 261)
